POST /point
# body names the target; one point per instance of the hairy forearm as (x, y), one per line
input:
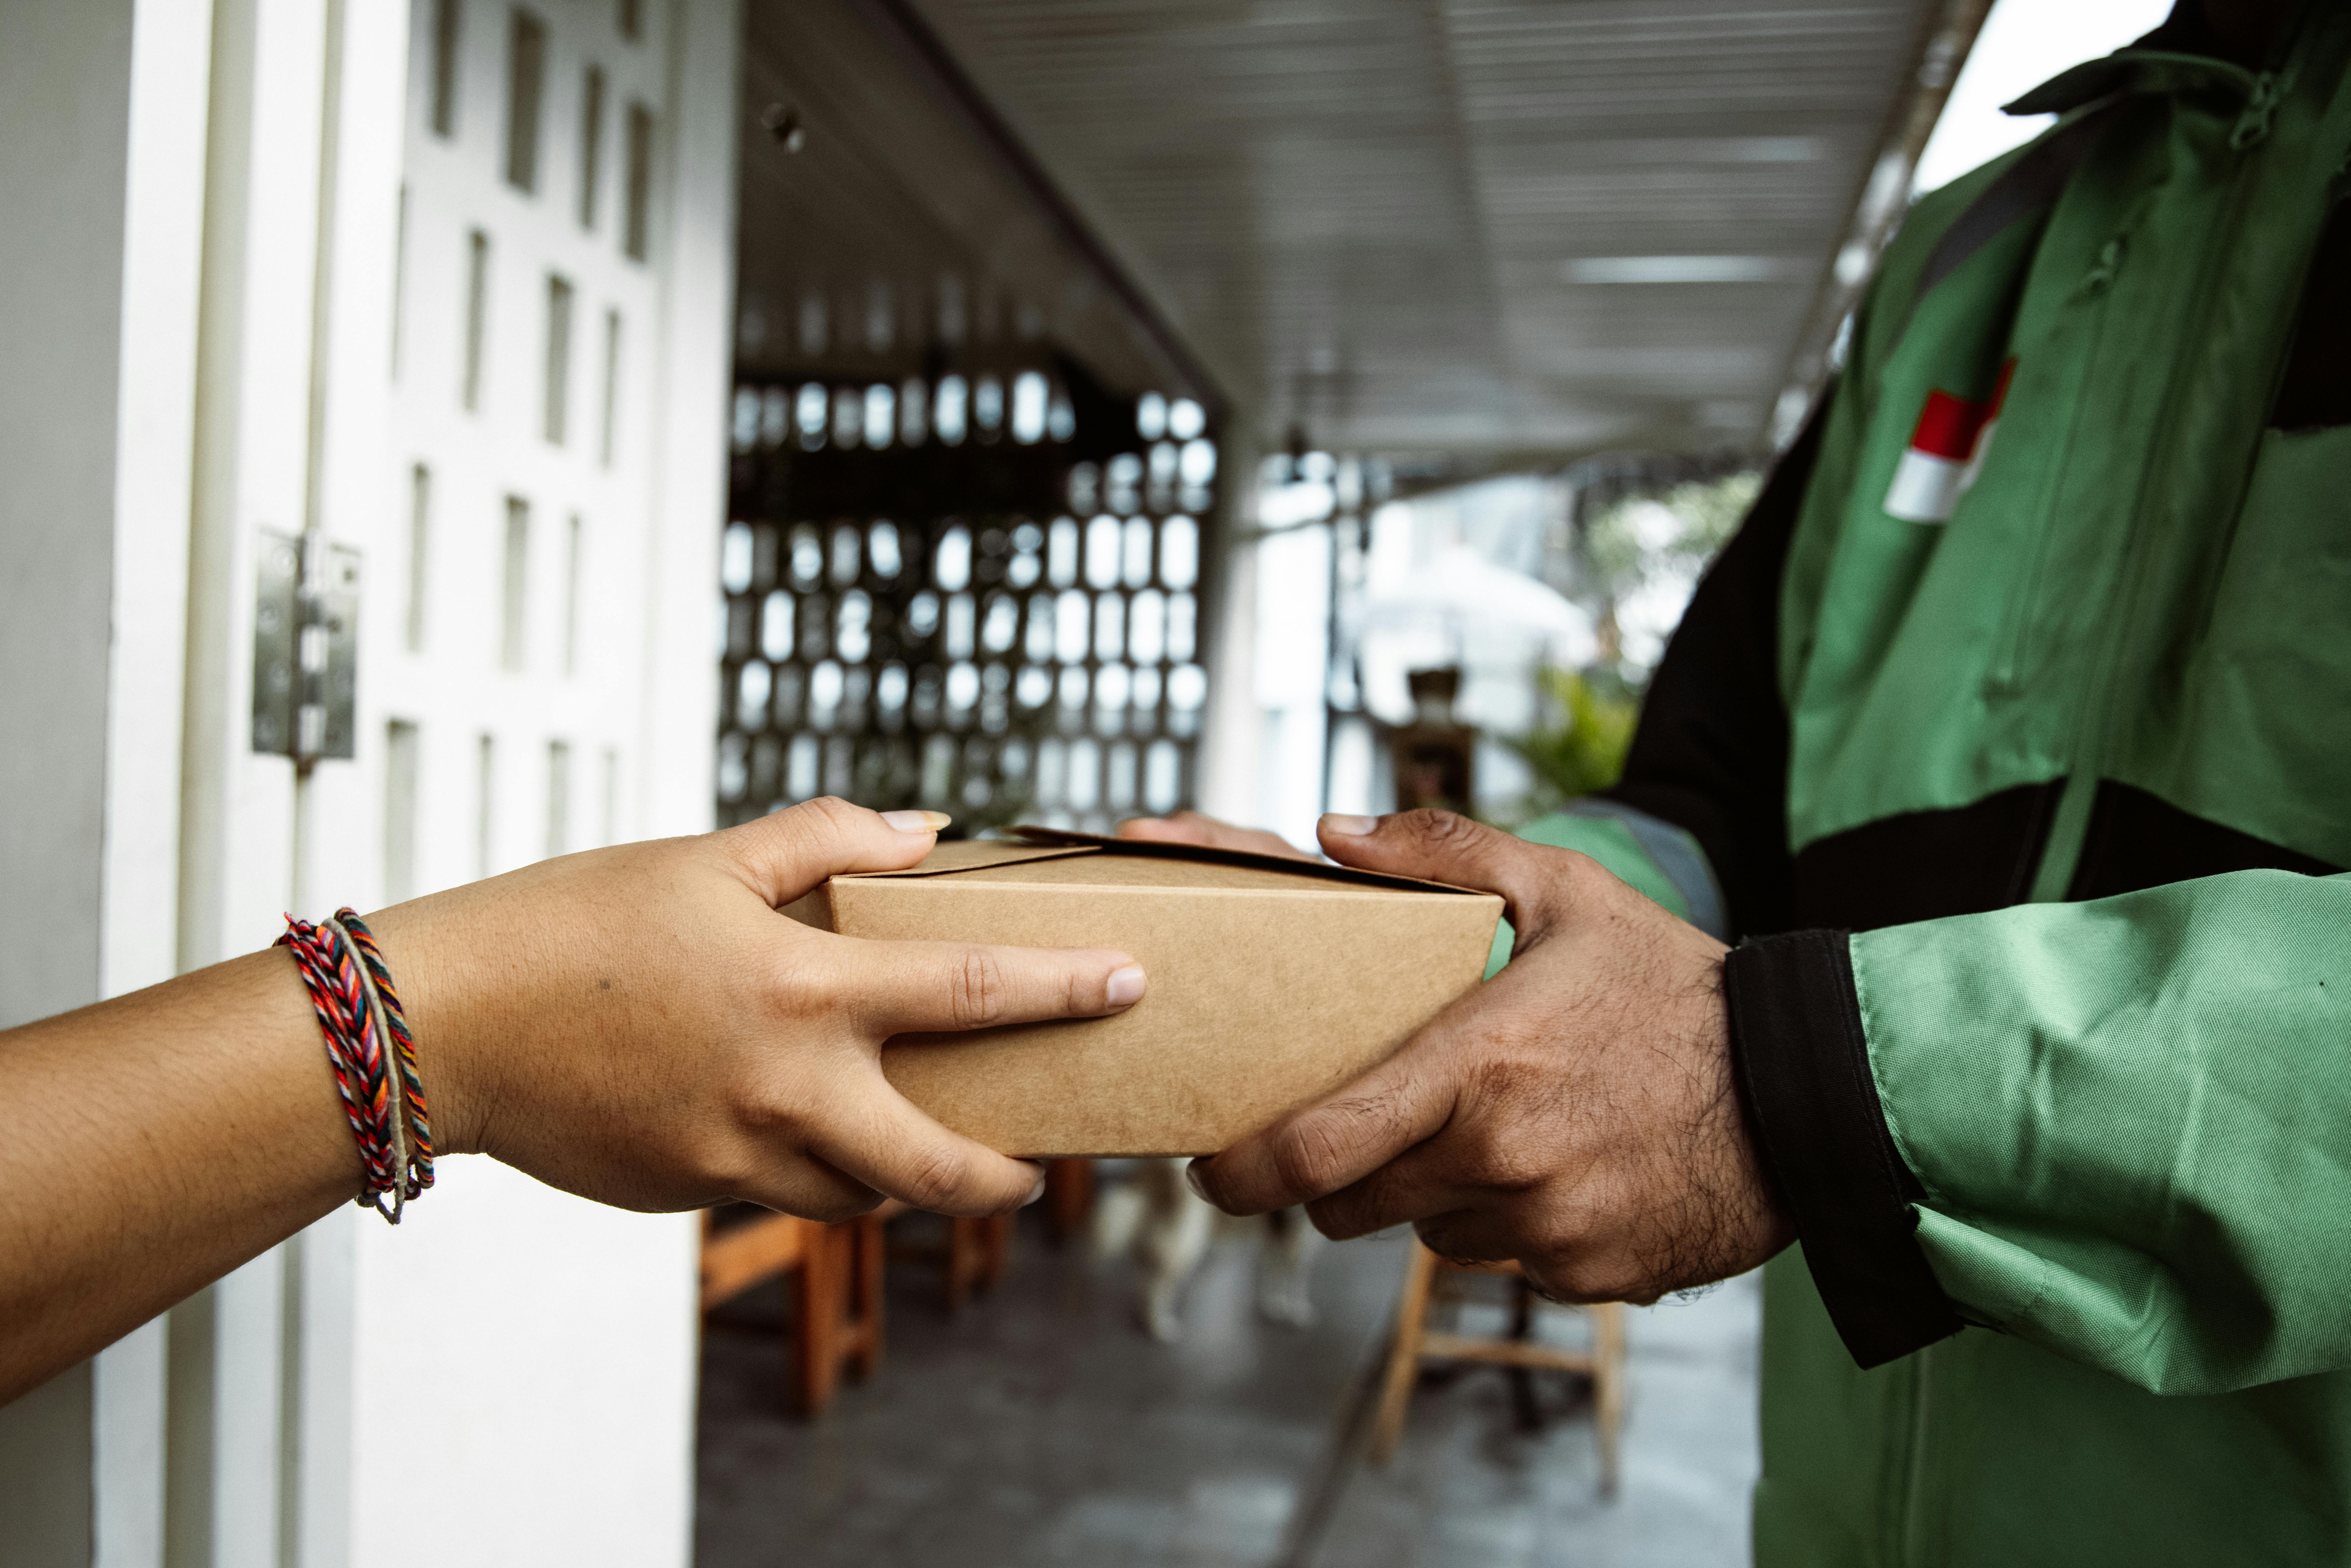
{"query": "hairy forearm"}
(150, 1143)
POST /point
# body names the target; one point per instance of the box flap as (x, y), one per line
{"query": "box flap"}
(1071, 842)
(969, 854)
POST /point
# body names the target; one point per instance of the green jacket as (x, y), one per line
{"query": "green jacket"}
(2013, 734)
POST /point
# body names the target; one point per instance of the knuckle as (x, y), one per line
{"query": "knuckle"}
(832, 808)
(803, 986)
(1312, 1154)
(934, 1180)
(1440, 829)
(977, 989)
(1503, 1158)
(1303, 1158)
(1585, 880)
(1496, 1167)
(828, 816)
(766, 1119)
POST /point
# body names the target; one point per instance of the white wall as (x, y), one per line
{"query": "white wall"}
(206, 207)
(547, 1344)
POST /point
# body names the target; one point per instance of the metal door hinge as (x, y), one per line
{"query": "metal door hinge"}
(306, 648)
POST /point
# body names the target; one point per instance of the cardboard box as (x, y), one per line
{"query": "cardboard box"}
(1272, 982)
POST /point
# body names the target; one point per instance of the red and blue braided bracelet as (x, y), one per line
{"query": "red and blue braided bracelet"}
(371, 1053)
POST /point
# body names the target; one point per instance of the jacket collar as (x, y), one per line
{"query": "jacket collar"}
(2137, 70)
(2179, 56)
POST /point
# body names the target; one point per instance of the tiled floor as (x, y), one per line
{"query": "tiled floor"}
(1041, 1426)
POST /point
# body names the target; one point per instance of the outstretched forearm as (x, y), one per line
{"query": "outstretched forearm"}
(150, 1144)
(638, 1025)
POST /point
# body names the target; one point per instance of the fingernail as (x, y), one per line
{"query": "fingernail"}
(917, 821)
(1346, 827)
(1126, 985)
(1192, 1180)
(1035, 1192)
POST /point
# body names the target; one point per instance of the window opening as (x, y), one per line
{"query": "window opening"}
(484, 799)
(1006, 629)
(611, 388)
(948, 421)
(592, 143)
(477, 305)
(420, 522)
(1029, 398)
(515, 596)
(558, 797)
(399, 764)
(611, 825)
(447, 24)
(526, 86)
(399, 277)
(571, 570)
(557, 395)
(913, 418)
(640, 183)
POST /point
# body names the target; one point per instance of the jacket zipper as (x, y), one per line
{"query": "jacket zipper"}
(2061, 854)
(2007, 670)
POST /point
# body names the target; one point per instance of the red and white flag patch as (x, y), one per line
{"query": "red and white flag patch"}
(1945, 453)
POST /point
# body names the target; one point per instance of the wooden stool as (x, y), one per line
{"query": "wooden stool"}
(1069, 1196)
(836, 1290)
(1415, 1343)
(977, 1252)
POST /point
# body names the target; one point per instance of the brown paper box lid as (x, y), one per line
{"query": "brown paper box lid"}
(974, 854)
(1034, 844)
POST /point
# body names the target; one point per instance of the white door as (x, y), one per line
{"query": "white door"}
(509, 1377)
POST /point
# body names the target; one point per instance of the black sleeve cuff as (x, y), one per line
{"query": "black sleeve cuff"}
(1804, 1069)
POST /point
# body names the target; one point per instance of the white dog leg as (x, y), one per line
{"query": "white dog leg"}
(1285, 1264)
(1120, 1213)
(1176, 1236)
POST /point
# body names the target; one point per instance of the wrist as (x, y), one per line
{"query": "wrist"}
(444, 989)
(1752, 1222)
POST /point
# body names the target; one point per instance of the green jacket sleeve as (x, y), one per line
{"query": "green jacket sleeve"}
(2118, 1129)
(1652, 856)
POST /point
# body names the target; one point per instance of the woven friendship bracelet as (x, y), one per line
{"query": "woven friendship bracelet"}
(338, 998)
(369, 1051)
(418, 1167)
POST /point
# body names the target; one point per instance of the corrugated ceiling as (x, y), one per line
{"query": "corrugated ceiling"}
(1367, 217)
(897, 234)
